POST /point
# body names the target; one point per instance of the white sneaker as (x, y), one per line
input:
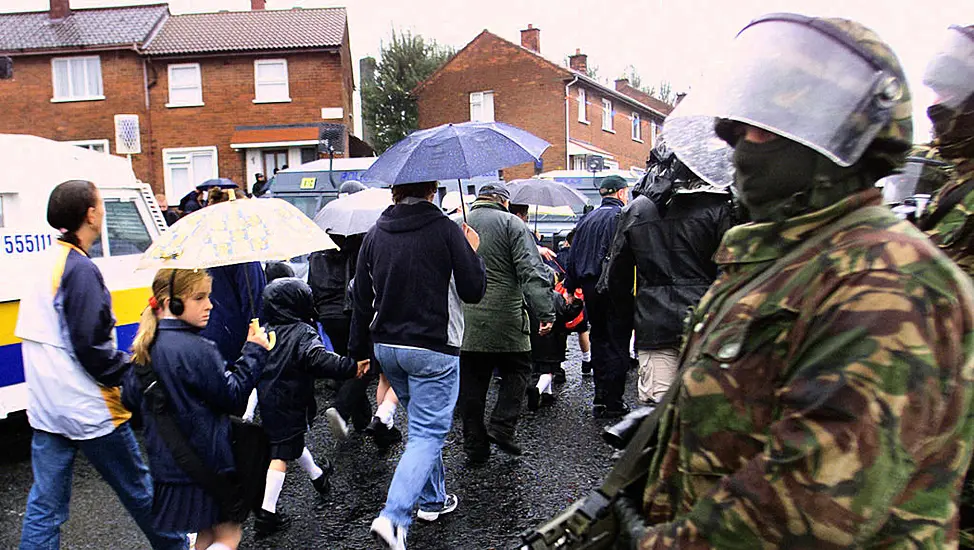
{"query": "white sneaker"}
(337, 424)
(449, 505)
(388, 535)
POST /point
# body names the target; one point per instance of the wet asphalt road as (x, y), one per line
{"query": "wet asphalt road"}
(566, 459)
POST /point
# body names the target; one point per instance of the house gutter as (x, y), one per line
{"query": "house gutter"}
(567, 121)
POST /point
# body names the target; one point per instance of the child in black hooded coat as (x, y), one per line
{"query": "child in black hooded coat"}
(286, 390)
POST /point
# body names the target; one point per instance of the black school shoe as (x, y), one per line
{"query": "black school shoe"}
(559, 376)
(601, 411)
(534, 398)
(586, 368)
(383, 436)
(505, 443)
(266, 523)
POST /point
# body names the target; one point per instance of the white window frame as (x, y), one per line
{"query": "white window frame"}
(166, 153)
(72, 96)
(480, 99)
(607, 116)
(88, 143)
(582, 106)
(637, 129)
(198, 87)
(257, 83)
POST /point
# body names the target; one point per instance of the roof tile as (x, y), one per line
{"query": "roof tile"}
(250, 30)
(82, 28)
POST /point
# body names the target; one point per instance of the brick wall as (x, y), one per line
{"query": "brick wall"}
(528, 93)
(315, 81)
(27, 106)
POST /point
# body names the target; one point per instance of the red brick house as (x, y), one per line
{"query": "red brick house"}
(227, 94)
(494, 79)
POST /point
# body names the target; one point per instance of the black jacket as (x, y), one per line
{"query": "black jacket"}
(673, 260)
(414, 269)
(593, 235)
(329, 273)
(286, 388)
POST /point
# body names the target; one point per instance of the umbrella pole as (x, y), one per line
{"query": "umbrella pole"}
(463, 206)
(250, 296)
(536, 220)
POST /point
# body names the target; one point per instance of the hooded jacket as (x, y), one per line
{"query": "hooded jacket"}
(673, 261)
(414, 269)
(329, 273)
(285, 390)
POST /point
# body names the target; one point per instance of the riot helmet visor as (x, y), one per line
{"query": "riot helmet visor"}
(950, 74)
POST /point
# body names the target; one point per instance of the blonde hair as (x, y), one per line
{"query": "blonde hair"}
(184, 281)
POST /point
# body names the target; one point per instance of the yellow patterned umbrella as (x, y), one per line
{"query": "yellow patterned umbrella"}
(234, 232)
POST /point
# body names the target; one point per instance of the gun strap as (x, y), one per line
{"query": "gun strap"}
(947, 203)
(635, 460)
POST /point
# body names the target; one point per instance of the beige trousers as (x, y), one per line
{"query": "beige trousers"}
(657, 368)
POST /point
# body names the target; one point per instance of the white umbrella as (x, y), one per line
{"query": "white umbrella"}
(235, 232)
(355, 213)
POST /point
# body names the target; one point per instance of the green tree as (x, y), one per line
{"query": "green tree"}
(387, 107)
(664, 92)
(633, 77)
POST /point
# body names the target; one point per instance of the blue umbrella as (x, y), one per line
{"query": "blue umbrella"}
(222, 183)
(454, 151)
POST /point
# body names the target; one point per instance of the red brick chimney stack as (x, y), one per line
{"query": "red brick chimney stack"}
(578, 62)
(621, 83)
(257, 4)
(60, 9)
(531, 38)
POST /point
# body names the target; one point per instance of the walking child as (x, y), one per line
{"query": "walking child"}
(200, 395)
(285, 391)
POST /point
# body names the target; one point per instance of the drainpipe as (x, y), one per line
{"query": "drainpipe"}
(568, 97)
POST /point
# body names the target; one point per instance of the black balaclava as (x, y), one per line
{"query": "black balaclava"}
(781, 179)
(954, 129)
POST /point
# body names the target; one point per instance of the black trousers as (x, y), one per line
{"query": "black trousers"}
(352, 400)
(610, 348)
(476, 371)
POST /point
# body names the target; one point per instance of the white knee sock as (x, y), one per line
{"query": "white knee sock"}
(386, 412)
(272, 490)
(218, 546)
(544, 383)
(586, 356)
(248, 415)
(307, 463)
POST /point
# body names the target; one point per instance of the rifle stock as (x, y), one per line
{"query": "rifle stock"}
(588, 524)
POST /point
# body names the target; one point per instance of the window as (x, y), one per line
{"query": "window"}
(126, 231)
(77, 78)
(582, 117)
(308, 154)
(482, 107)
(578, 162)
(274, 161)
(653, 132)
(270, 81)
(186, 168)
(185, 85)
(637, 131)
(99, 145)
(607, 115)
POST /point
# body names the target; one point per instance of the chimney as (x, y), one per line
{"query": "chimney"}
(257, 4)
(679, 98)
(531, 39)
(621, 83)
(578, 62)
(60, 9)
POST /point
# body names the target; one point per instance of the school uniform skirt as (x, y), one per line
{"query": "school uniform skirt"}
(289, 449)
(184, 507)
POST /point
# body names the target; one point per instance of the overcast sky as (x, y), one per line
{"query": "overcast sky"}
(670, 40)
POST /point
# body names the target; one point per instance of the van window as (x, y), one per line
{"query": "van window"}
(127, 233)
(308, 205)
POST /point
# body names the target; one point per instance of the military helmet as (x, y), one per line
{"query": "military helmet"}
(950, 74)
(829, 84)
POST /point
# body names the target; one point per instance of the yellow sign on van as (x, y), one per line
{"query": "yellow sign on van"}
(308, 183)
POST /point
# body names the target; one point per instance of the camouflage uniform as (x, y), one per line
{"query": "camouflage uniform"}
(955, 232)
(830, 409)
(932, 178)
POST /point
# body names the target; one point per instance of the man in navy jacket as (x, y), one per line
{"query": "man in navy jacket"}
(414, 269)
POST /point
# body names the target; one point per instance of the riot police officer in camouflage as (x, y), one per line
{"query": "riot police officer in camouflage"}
(826, 379)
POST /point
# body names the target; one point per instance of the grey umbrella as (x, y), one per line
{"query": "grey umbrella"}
(542, 192)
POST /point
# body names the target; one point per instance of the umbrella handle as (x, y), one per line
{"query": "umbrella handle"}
(271, 336)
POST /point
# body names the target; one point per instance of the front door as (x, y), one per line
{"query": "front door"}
(273, 161)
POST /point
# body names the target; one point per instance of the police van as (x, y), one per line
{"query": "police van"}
(132, 220)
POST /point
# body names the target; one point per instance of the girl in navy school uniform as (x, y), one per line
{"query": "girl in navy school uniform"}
(286, 391)
(201, 397)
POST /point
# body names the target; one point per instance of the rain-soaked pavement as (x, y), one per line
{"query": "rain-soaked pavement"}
(565, 459)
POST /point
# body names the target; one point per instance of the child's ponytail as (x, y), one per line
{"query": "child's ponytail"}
(145, 336)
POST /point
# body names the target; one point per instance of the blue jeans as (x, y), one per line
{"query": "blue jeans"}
(116, 457)
(427, 384)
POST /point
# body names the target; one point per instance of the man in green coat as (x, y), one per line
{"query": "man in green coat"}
(497, 333)
(825, 384)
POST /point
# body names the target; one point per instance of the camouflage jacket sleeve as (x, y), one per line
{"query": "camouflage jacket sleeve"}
(866, 402)
(954, 234)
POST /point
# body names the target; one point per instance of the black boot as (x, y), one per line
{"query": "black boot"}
(266, 523)
(586, 368)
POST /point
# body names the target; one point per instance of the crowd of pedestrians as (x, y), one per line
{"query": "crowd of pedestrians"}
(809, 353)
